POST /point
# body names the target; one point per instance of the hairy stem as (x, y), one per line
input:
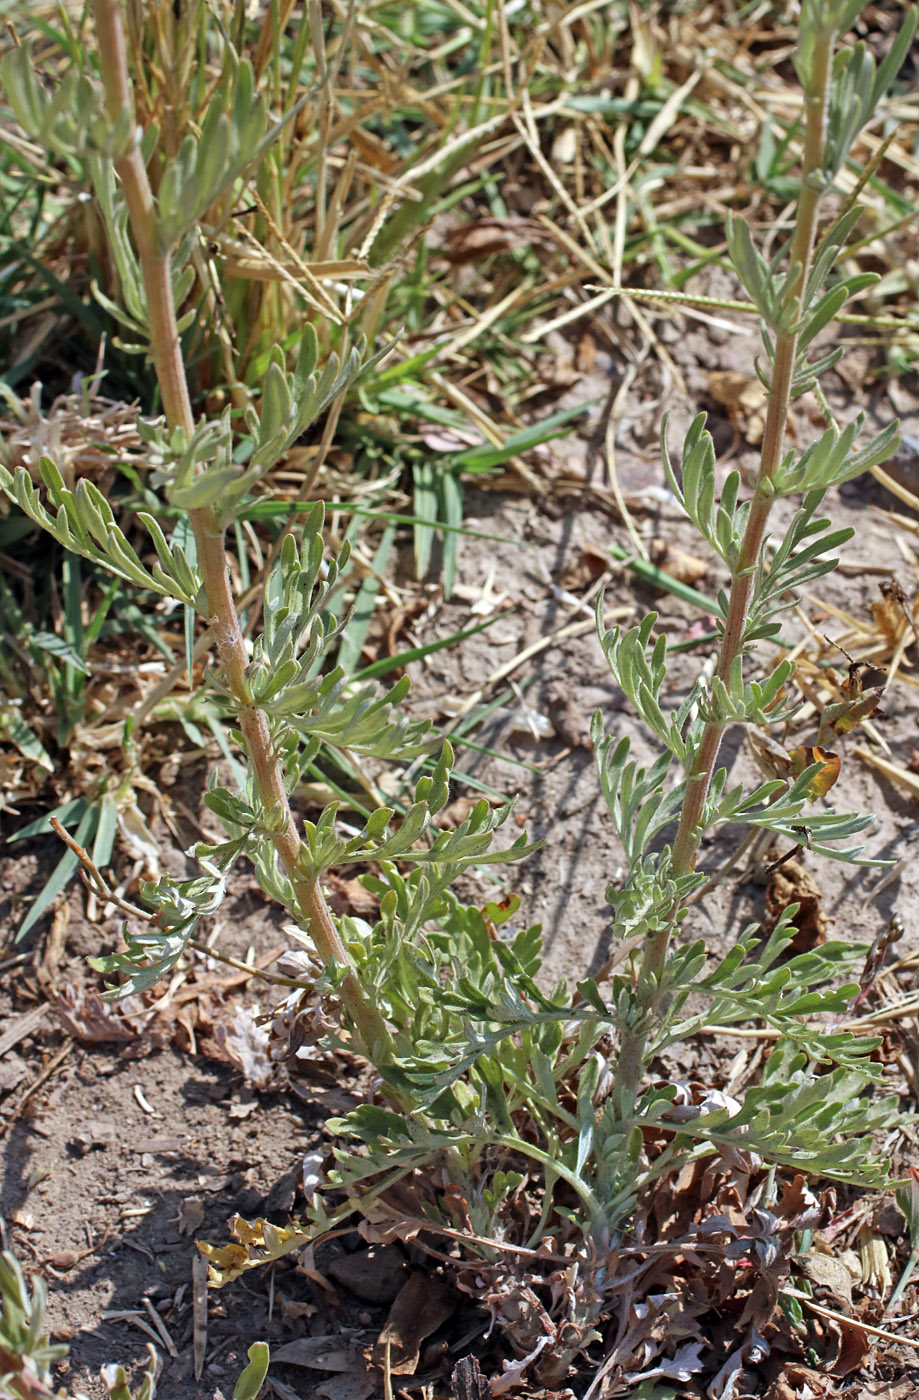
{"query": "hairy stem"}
(634, 1037)
(166, 353)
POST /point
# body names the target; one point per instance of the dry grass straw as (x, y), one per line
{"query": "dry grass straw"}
(613, 132)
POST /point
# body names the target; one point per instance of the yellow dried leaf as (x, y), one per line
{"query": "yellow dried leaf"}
(260, 1243)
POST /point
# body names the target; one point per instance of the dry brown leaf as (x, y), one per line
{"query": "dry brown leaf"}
(191, 1217)
(350, 897)
(456, 812)
(790, 883)
(569, 721)
(904, 1389)
(797, 1382)
(829, 1273)
(348, 1385)
(483, 238)
(890, 613)
(373, 150)
(55, 945)
(874, 1260)
(853, 1344)
(744, 397)
(672, 560)
(586, 355)
(244, 1044)
(335, 1351)
(422, 1305)
(376, 1274)
(589, 565)
(85, 1016)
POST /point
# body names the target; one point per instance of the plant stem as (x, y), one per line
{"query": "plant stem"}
(166, 353)
(634, 1037)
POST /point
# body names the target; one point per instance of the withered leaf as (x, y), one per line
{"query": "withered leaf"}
(744, 397)
(845, 715)
(685, 568)
(375, 1274)
(422, 1304)
(191, 1217)
(483, 238)
(259, 1243)
(335, 1351)
(244, 1044)
(791, 883)
(85, 1016)
(804, 756)
(827, 1272)
(348, 1385)
(854, 1345)
(350, 897)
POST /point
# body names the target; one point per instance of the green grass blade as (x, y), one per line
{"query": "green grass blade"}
(451, 499)
(98, 620)
(62, 873)
(14, 728)
(390, 663)
(482, 459)
(68, 814)
(104, 840)
(60, 649)
(352, 643)
(184, 538)
(426, 510)
(282, 510)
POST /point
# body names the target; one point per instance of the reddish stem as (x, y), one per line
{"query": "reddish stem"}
(166, 353)
(634, 1038)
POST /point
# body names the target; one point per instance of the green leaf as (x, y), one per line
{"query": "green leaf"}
(62, 873)
(68, 814)
(253, 1377)
(57, 647)
(14, 728)
(481, 459)
(104, 840)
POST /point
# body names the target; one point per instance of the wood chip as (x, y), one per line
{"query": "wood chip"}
(24, 1025)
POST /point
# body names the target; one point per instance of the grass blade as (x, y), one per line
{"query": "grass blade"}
(62, 873)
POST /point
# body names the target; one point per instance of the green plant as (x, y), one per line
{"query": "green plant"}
(26, 1352)
(487, 1075)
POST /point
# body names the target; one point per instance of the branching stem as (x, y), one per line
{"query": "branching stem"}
(166, 353)
(634, 1037)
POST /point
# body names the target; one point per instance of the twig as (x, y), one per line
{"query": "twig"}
(276, 978)
(199, 1311)
(850, 1321)
(24, 1025)
(33, 1089)
(94, 877)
